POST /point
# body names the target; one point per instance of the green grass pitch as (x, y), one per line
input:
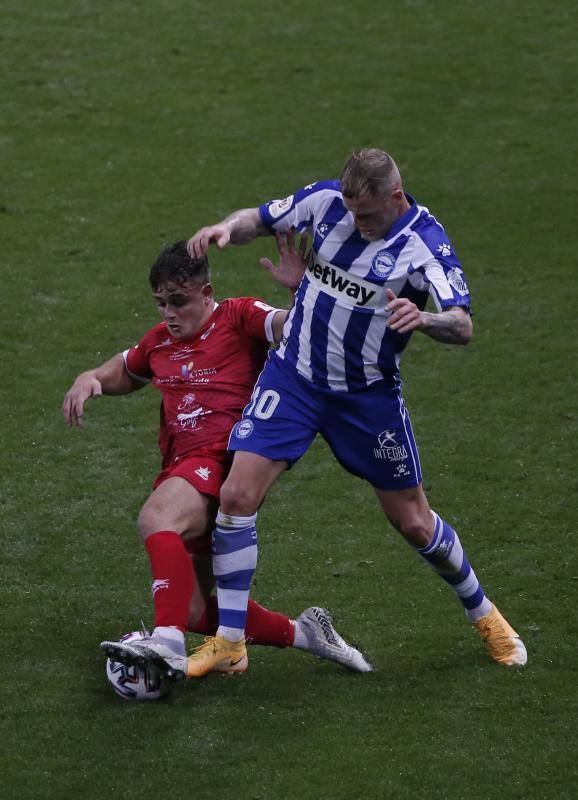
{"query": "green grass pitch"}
(126, 125)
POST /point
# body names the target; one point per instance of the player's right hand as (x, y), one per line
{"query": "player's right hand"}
(198, 244)
(83, 388)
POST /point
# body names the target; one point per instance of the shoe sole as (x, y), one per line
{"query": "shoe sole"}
(131, 657)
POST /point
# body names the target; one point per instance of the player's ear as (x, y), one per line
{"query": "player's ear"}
(208, 291)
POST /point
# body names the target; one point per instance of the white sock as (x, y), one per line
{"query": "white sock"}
(171, 637)
(300, 640)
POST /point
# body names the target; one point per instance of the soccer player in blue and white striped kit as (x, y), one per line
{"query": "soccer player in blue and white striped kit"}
(376, 257)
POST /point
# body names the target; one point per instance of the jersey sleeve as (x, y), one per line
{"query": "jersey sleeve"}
(441, 271)
(297, 210)
(447, 284)
(255, 317)
(136, 360)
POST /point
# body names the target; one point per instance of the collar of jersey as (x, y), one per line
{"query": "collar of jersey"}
(405, 219)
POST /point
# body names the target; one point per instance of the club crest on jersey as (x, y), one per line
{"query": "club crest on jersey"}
(243, 429)
(383, 264)
(457, 281)
(279, 207)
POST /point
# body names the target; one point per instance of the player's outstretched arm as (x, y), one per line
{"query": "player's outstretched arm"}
(240, 227)
(110, 378)
(452, 326)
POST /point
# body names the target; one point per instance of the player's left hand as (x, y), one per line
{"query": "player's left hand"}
(292, 261)
(405, 315)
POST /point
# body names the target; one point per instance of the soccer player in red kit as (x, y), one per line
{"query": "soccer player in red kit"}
(204, 358)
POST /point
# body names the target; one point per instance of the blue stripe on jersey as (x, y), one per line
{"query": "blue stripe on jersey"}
(291, 354)
(394, 343)
(353, 342)
(318, 340)
(350, 250)
(329, 220)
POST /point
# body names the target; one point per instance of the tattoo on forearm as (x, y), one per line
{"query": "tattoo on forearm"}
(449, 327)
(245, 225)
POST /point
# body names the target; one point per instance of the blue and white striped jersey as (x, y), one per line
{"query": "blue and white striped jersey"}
(335, 334)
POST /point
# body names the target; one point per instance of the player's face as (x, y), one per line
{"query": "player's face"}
(185, 308)
(374, 216)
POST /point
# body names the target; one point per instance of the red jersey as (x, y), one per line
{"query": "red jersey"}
(205, 380)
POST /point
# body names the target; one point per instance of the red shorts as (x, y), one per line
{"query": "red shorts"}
(206, 474)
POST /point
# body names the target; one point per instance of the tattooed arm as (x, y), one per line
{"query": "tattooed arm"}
(240, 227)
(451, 326)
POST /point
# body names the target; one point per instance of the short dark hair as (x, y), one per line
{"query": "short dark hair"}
(175, 265)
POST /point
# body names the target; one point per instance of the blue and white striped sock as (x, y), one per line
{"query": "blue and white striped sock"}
(446, 556)
(234, 562)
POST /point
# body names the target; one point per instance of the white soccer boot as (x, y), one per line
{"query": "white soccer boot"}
(324, 641)
(161, 655)
(123, 650)
(148, 651)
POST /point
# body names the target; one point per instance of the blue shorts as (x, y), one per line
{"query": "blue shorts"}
(369, 431)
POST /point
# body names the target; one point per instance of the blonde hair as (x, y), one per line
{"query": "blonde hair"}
(369, 172)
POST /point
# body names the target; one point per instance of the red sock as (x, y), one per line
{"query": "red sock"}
(263, 626)
(173, 578)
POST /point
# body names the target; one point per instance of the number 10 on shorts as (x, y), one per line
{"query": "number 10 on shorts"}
(263, 405)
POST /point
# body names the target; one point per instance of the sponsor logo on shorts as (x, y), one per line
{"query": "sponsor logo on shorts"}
(389, 449)
(383, 264)
(279, 207)
(203, 472)
(457, 281)
(244, 429)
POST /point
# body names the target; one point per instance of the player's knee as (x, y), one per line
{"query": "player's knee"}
(414, 530)
(149, 521)
(238, 499)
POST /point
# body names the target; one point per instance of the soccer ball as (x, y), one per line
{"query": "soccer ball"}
(134, 682)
